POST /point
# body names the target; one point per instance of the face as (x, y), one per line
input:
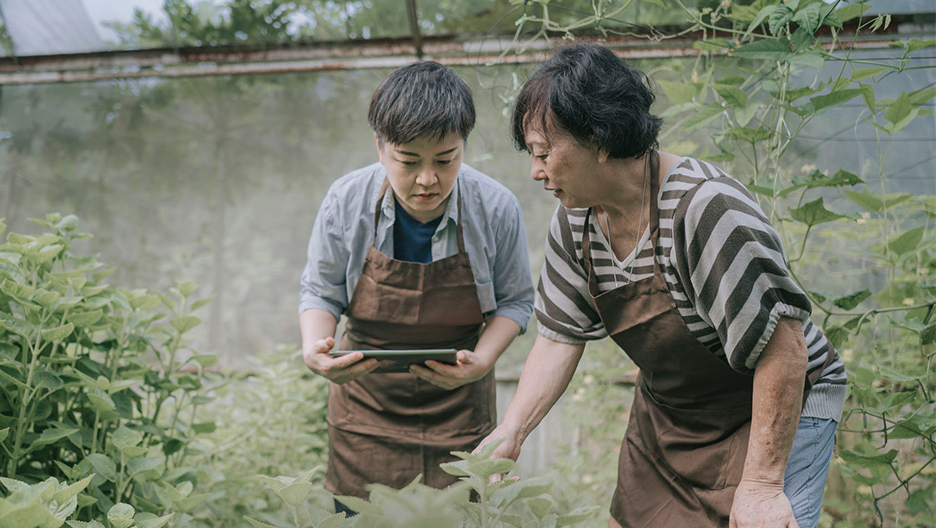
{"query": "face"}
(565, 167)
(422, 173)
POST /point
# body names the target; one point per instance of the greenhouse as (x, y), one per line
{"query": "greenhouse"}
(163, 164)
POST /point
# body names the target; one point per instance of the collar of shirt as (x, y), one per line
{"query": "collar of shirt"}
(449, 216)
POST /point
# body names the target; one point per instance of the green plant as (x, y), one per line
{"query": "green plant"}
(95, 378)
(43, 505)
(270, 420)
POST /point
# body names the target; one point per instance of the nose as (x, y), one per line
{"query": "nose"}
(426, 177)
(537, 172)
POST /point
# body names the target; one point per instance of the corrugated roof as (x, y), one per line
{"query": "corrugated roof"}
(49, 27)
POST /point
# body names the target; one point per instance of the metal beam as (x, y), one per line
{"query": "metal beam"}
(345, 55)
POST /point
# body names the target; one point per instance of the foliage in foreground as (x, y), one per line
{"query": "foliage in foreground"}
(97, 383)
(525, 503)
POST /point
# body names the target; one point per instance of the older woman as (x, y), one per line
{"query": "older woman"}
(739, 393)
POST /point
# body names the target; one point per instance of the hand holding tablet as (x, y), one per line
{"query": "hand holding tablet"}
(400, 360)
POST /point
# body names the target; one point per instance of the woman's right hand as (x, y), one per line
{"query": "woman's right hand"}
(508, 448)
(339, 370)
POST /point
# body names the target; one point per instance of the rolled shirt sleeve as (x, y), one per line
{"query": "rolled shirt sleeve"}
(513, 282)
(733, 269)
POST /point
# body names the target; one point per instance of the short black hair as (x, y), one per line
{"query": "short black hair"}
(592, 95)
(423, 98)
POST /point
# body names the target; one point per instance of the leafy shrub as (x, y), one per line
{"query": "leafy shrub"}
(96, 379)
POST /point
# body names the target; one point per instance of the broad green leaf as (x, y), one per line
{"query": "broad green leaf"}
(121, 515)
(47, 298)
(912, 45)
(257, 524)
(778, 18)
(577, 515)
(732, 94)
(744, 115)
(188, 503)
(187, 288)
(85, 318)
(124, 436)
(103, 466)
(813, 59)
(864, 73)
(332, 521)
(204, 427)
(918, 97)
(899, 109)
(905, 429)
(185, 323)
(868, 461)
(14, 485)
(136, 466)
(101, 402)
(868, 200)
(679, 92)
(357, 504)
(56, 335)
(168, 301)
(751, 135)
(82, 524)
(814, 213)
(53, 435)
(769, 49)
(18, 239)
(849, 302)
(295, 493)
(907, 242)
(205, 360)
(704, 117)
(2, 226)
(808, 18)
(198, 304)
(834, 99)
(851, 11)
(762, 15)
(5, 432)
(894, 128)
(47, 379)
(927, 337)
(14, 289)
(47, 254)
(68, 492)
(157, 522)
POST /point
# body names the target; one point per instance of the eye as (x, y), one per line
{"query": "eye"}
(542, 157)
(408, 163)
(443, 162)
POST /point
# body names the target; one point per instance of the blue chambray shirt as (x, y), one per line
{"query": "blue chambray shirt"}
(495, 238)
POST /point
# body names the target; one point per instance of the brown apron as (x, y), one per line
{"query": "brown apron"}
(387, 428)
(686, 441)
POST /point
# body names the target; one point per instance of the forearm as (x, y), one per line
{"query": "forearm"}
(777, 402)
(314, 325)
(546, 375)
(497, 335)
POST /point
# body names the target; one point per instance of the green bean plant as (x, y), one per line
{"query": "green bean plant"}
(764, 71)
(96, 380)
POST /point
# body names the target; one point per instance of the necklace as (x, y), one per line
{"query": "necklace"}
(643, 195)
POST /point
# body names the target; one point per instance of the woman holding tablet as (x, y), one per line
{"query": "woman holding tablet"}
(418, 251)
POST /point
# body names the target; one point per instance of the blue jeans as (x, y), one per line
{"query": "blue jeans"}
(808, 467)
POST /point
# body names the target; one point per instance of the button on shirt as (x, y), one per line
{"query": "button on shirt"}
(494, 232)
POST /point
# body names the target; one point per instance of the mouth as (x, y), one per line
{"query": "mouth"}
(556, 192)
(425, 197)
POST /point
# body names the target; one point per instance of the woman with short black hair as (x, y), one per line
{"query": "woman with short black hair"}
(739, 393)
(418, 251)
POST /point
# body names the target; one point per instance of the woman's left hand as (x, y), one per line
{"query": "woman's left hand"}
(468, 368)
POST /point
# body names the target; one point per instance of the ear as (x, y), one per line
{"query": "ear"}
(603, 156)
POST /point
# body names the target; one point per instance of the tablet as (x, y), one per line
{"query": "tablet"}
(400, 360)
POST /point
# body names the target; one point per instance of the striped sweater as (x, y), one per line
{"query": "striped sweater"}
(724, 265)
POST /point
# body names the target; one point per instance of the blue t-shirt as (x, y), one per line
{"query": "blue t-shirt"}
(412, 239)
